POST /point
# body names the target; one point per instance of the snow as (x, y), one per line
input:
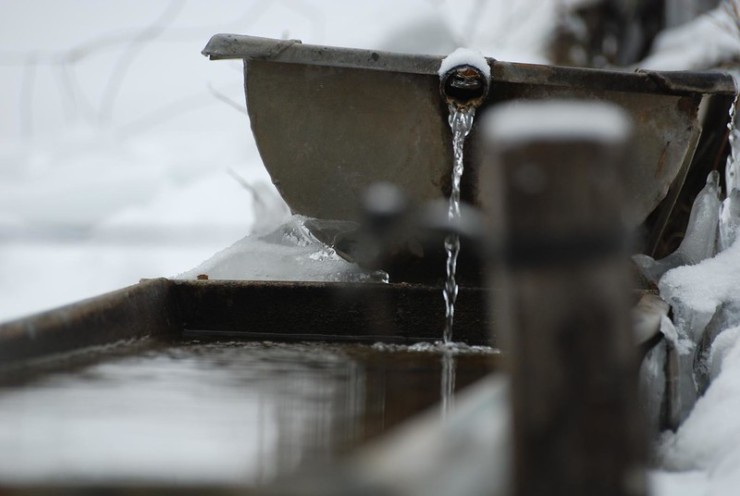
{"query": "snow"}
(702, 287)
(105, 180)
(704, 453)
(693, 483)
(709, 439)
(516, 122)
(703, 43)
(465, 56)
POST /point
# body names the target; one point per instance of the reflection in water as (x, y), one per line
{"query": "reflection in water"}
(216, 412)
(448, 383)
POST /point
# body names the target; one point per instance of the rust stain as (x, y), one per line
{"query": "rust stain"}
(661, 160)
(688, 105)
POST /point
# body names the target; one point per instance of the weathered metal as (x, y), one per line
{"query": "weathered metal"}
(284, 311)
(146, 309)
(331, 121)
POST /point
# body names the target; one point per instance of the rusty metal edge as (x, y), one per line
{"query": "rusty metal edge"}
(234, 46)
(144, 309)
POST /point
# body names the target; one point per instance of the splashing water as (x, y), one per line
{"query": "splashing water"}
(461, 121)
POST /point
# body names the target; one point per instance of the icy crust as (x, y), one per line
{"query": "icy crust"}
(465, 56)
(290, 253)
(517, 122)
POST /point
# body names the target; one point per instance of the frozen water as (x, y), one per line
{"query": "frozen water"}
(710, 436)
(699, 242)
(729, 215)
(726, 317)
(733, 161)
(721, 347)
(652, 385)
(465, 56)
(290, 253)
(729, 220)
(695, 291)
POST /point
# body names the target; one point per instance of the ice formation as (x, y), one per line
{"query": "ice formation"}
(729, 219)
(699, 242)
(289, 253)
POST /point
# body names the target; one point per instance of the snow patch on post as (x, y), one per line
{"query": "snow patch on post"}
(521, 121)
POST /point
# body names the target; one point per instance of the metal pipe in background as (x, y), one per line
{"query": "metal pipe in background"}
(553, 202)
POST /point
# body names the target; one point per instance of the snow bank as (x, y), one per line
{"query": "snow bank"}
(695, 291)
(709, 439)
(703, 455)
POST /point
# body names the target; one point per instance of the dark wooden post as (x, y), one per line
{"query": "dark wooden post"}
(554, 205)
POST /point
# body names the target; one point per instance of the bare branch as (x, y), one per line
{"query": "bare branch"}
(242, 109)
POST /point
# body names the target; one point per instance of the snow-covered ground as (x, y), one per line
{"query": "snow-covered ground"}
(119, 161)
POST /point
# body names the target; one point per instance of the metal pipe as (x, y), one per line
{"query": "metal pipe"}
(464, 86)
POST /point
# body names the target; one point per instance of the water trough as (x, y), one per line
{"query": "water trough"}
(330, 122)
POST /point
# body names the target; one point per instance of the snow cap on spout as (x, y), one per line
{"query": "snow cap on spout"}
(465, 77)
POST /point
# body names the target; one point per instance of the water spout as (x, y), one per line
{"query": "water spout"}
(464, 78)
(464, 83)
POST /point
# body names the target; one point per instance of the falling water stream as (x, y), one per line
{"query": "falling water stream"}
(461, 121)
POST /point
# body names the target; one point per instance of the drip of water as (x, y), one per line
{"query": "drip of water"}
(461, 121)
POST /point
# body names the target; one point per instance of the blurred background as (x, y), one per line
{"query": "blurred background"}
(125, 154)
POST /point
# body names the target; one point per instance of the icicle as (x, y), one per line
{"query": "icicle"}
(729, 215)
(699, 241)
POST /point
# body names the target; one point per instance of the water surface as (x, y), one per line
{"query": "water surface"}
(219, 412)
